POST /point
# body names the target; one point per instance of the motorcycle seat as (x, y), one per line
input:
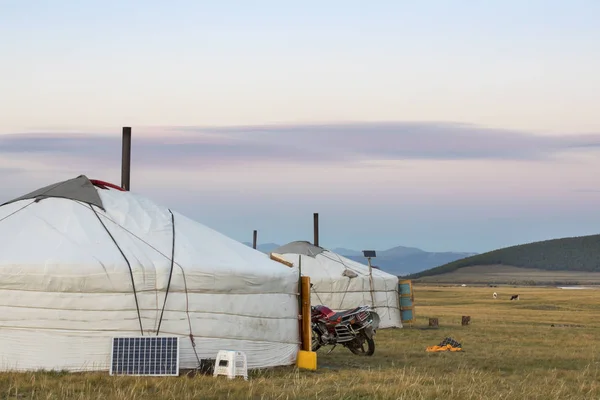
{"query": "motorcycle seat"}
(339, 315)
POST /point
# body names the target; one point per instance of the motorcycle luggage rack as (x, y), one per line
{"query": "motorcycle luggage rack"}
(343, 333)
(356, 314)
(361, 316)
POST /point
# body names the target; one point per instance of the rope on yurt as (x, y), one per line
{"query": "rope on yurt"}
(137, 306)
(170, 271)
(187, 303)
(349, 279)
(384, 282)
(318, 297)
(187, 311)
(345, 292)
(16, 211)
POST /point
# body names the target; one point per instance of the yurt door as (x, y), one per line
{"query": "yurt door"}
(406, 301)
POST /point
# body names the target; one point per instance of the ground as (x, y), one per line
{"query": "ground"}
(511, 351)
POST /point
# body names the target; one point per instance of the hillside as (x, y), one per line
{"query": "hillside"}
(503, 274)
(574, 254)
(398, 260)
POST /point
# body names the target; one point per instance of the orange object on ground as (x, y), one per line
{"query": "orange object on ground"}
(448, 347)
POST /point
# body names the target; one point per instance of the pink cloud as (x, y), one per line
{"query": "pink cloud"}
(342, 144)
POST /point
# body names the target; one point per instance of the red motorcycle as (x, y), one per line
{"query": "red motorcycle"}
(351, 328)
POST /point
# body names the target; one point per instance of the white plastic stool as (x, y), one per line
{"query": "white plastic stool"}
(231, 364)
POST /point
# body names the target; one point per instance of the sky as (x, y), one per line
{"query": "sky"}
(444, 125)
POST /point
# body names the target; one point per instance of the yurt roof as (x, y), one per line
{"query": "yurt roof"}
(79, 189)
(67, 222)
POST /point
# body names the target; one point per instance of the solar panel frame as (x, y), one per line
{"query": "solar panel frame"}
(145, 356)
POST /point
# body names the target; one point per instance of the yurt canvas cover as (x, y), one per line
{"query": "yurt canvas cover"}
(341, 283)
(81, 263)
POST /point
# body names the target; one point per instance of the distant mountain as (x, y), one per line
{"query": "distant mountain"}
(580, 253)
(406, 260)
(398, 260)
(401, 251)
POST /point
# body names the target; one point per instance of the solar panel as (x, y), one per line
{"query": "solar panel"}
(145, 355)
(369, 253)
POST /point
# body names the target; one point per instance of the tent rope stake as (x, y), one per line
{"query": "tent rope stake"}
(137, 306)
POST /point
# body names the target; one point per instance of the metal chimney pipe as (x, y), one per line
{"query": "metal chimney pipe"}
(255, 236)
(316, 228)
(126, 159)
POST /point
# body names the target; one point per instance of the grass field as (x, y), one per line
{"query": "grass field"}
(510, 352)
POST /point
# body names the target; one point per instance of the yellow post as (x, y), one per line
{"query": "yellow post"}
(307, 359)
(306, 328)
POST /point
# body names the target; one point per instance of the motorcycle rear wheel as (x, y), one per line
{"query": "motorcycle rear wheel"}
(315, 345)
(360, 350)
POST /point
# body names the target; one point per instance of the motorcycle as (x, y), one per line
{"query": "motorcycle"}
(350, 328)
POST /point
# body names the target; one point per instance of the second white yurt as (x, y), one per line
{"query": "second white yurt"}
(341, 283)
(83, 261)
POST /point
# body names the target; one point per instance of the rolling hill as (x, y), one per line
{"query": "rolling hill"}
(398, 260)
(569, 260)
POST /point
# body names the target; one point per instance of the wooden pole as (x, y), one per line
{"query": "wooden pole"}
(300, 330)
(316, 228)
(284, 262)
(306, 323)
(372, 286)
(255, 236)
(126, 159)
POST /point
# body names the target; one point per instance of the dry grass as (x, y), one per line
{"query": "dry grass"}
(511, 352)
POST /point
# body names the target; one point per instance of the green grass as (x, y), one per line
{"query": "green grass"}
(510, 352)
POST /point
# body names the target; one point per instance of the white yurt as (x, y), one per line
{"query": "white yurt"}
(83, 261)
(340, 283)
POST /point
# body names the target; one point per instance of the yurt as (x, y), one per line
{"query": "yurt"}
(83, 261)
(341, 283)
